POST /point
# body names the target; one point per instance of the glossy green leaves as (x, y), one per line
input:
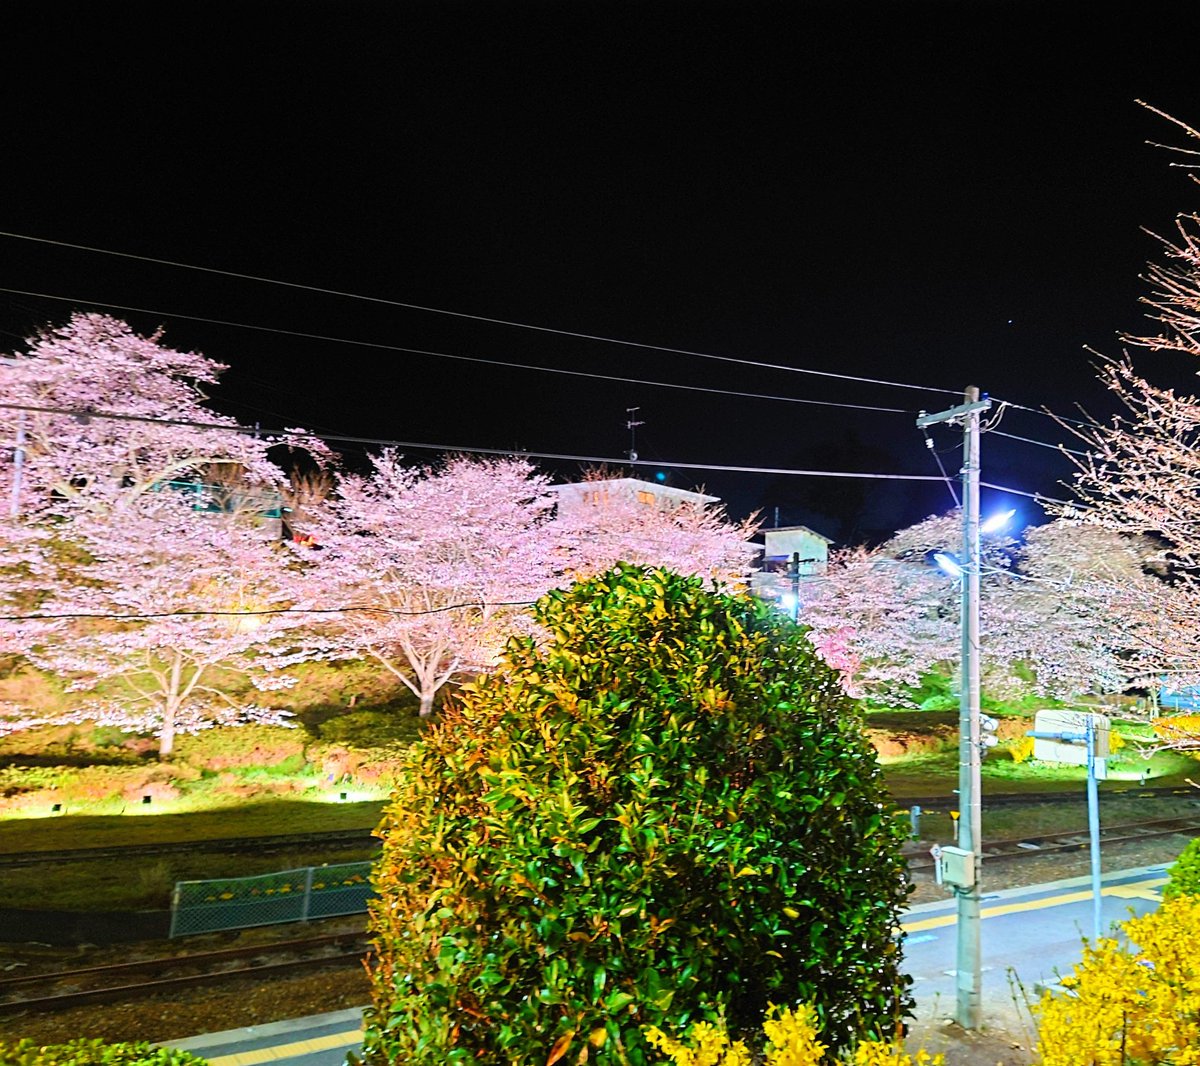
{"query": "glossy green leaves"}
(665, 813)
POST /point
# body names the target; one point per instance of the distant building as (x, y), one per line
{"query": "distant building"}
(771, 580)
(649, 493)
(263, 505)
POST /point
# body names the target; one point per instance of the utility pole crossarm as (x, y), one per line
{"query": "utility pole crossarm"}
(954, 413)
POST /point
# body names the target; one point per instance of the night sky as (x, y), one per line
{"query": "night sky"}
(944, 194)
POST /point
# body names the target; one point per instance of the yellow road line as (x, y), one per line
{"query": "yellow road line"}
(282, 1051)
(1140, 890)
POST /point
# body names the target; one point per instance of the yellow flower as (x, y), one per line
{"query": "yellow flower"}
(1132, 1004)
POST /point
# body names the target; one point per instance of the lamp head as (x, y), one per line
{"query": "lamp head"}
(948, 563)
(997, 522)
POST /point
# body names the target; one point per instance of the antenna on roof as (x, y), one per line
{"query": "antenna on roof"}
(631, 424)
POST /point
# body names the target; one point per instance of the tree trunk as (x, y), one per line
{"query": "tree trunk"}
(166, 735)
(426, 704)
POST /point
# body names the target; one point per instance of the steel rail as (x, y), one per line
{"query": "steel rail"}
(168, 962)
(1032, 845)
(259, 845)
(148, 988)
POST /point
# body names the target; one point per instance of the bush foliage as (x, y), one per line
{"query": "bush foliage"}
(667, 813)
(93, 1053)
(1184, 872)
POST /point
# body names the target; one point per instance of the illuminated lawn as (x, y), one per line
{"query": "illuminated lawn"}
(255, 819)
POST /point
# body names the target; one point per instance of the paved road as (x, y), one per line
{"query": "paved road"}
(1032, 933)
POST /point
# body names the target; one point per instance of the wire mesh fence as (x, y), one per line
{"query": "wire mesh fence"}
(299, 895)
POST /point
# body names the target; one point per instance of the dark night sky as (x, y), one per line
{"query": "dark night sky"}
(930, 192)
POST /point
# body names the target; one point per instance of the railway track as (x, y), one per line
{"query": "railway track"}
(365, 839)
(35, 993)
(1048, 843)
(255, 845)
(1029, 799)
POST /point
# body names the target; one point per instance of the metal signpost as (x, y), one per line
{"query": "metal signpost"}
(1088, 737)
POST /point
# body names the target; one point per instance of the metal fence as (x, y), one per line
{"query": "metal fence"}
(299, 895)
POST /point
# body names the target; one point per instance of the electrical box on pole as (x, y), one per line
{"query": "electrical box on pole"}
(958, 867)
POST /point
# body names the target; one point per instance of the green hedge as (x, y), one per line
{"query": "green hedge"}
(665, 812)
(93, 1053)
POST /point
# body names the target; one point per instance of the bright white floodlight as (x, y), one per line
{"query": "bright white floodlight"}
(788, 602)
(948, 563)
(997, 522)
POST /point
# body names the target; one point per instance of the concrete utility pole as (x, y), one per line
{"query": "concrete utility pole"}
(969, 966)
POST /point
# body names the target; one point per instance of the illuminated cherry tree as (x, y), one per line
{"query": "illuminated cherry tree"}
(593, 535)
(1066, 612)
(1080, 612)
(437, 563)
(169, 603)
(883, 621)
(96, 363)
(1140, 471)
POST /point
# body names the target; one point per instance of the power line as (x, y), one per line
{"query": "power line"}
(1044, 413)
(458, 449)
(83, 413)
(938, 459)
(465, 358)
(1039, 443)
(1039, 496)
(478, 318)
(247, 614)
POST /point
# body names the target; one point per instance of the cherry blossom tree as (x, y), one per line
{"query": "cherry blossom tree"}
(437, 563)
(169, 601)
(1139, 474)
(1084, 611)
(155, 429)
(1065, 612)
(594, 534)
(883, 617)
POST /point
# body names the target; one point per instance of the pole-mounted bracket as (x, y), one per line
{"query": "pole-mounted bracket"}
(961, 411)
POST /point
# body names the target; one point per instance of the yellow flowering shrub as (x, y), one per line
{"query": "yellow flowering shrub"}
(1177, 727)
(707, 1045)
(790, 1039)
(1021, 749)
(1134, 1005)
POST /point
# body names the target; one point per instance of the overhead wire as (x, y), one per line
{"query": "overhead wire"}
(554, 370)
(478, 318)
(82, 413)
(1045, 413)
(114, 616)
(469, 358)
(1039, 443)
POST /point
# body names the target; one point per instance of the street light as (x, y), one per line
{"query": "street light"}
(949, 564)
(997, 522)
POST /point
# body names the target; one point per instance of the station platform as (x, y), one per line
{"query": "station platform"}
(317, 1040)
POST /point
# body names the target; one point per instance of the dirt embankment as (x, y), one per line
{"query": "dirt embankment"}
(896, 736)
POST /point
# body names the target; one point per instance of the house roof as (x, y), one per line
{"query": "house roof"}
(796, 529)
(638, 485)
